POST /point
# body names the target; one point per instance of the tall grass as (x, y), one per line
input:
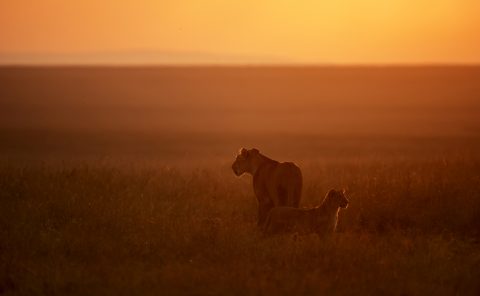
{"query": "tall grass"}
(412, 228)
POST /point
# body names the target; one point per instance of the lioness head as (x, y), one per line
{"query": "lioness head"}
(243, 161)
(338, 198)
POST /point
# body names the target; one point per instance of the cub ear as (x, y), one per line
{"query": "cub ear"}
(243, 151)
(344, 191)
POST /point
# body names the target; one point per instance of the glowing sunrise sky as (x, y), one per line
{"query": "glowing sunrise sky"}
(245, 31)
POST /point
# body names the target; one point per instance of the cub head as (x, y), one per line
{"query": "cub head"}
(338, 198)
(243, 161)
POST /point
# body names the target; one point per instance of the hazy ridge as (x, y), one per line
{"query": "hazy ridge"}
(366, 100)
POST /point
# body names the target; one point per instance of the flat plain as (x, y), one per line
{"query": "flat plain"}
(118, 180)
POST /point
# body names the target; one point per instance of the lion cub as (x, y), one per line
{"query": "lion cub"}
(321, 219)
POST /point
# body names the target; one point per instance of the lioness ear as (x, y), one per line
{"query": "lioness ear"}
(254, 151)
(331, 192)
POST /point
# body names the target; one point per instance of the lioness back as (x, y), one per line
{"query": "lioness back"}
(282, 182)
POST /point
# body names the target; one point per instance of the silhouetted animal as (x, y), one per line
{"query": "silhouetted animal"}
(322, 219)
(274, 183)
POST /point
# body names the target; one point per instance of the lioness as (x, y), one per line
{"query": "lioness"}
(274, 183)
(322, 219)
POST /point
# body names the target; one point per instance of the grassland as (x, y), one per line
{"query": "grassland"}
(118, 180)
(145, 225)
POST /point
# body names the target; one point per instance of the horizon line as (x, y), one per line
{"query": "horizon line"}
(235, 65)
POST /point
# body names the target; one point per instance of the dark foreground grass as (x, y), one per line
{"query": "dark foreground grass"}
(412, 229)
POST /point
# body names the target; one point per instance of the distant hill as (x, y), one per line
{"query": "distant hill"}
(319, 100)
(134, 58)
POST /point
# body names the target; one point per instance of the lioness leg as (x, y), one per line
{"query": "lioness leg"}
(295, 194)
(263, 209)
(266, 228)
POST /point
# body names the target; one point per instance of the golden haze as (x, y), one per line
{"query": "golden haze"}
(345, 31)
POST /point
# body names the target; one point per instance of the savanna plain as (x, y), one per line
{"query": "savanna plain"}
(119, 181)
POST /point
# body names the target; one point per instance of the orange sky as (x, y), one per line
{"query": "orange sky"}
(196, 31)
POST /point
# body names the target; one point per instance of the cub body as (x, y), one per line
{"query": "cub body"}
(321, 220)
